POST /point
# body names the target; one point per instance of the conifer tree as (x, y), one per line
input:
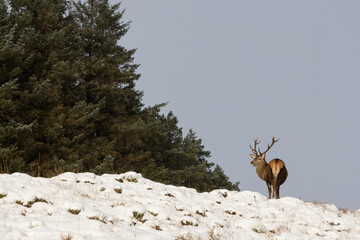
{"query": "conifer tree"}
(107, 80)
(221, 181)
(28, 39)
(68, 100)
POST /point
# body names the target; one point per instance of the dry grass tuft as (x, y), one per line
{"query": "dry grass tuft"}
(188, 236)
(257, 230)
(203, 214)
(132, 179)
(74, 211)
(213, 235)
(139, 216)
(30, 203)
(169, 195)
(119, 180)
(188, 223)
(280, 229)
(118, 190)
(103, 219)
(66, 237)
(157, 227)
(230, 212)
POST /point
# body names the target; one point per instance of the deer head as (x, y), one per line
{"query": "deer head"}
(258, 156)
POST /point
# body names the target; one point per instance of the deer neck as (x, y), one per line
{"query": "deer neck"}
(260, 170)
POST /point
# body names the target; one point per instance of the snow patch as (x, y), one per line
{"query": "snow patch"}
(128, 206)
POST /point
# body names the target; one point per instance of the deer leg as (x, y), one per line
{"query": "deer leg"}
(278, 192)
(274, 191)
(276, 188)
(269, 189)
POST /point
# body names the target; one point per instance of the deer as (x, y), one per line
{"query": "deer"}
(274, 173)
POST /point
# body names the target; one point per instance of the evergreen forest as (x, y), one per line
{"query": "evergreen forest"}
(68, 100)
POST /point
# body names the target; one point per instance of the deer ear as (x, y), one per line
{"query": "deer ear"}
(252, 156)
(263, 156)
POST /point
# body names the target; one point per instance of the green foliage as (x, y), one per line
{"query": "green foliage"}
(221, 181)
(68, 100)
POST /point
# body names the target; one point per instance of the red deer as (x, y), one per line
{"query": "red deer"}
(274, 173)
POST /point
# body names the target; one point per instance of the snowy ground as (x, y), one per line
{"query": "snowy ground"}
(128, 206)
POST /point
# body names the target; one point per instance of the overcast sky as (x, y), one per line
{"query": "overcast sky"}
(238, 70)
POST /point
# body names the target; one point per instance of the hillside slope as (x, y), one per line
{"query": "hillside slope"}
(128, 206)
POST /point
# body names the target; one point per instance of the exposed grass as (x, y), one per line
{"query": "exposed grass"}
(118, 190)
(334, 224)
(23, 212)
(188, 223)
(78, 181)
(30, 203)
(157, 227)
(169, 195)
(345, 210)
(2, 195)
(280, 229)
(129, 179)
(188, 236)
(132, 179)
(31, 225)
(203, 214)
(66, 237)
(103, 219)
(119, 180)
(152, 213)
(258, 230)
(114, 221)
(213, 235)
(230, 212)
(85, 195)
(325, 206)
(139, 216)
(74, 211)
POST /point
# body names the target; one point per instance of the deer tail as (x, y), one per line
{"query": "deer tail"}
(276, 165)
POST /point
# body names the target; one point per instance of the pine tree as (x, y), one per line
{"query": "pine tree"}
(34, 36)
(107, 80)
(68, 100)
(221, 181)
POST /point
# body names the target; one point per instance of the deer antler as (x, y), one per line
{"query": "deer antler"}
(269, 146)
(256, 142)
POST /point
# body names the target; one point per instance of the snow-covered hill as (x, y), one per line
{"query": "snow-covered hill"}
(128, 206)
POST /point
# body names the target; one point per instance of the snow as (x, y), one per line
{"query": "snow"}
(128, 206)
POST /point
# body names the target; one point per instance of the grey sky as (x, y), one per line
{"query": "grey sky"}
(238, 70)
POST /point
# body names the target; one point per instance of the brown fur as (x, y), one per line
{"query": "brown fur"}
(274, 173)
(276, 165)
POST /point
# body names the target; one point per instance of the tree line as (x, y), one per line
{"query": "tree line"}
(68, 100)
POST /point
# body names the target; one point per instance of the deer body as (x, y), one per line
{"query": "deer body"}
(273, 173)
